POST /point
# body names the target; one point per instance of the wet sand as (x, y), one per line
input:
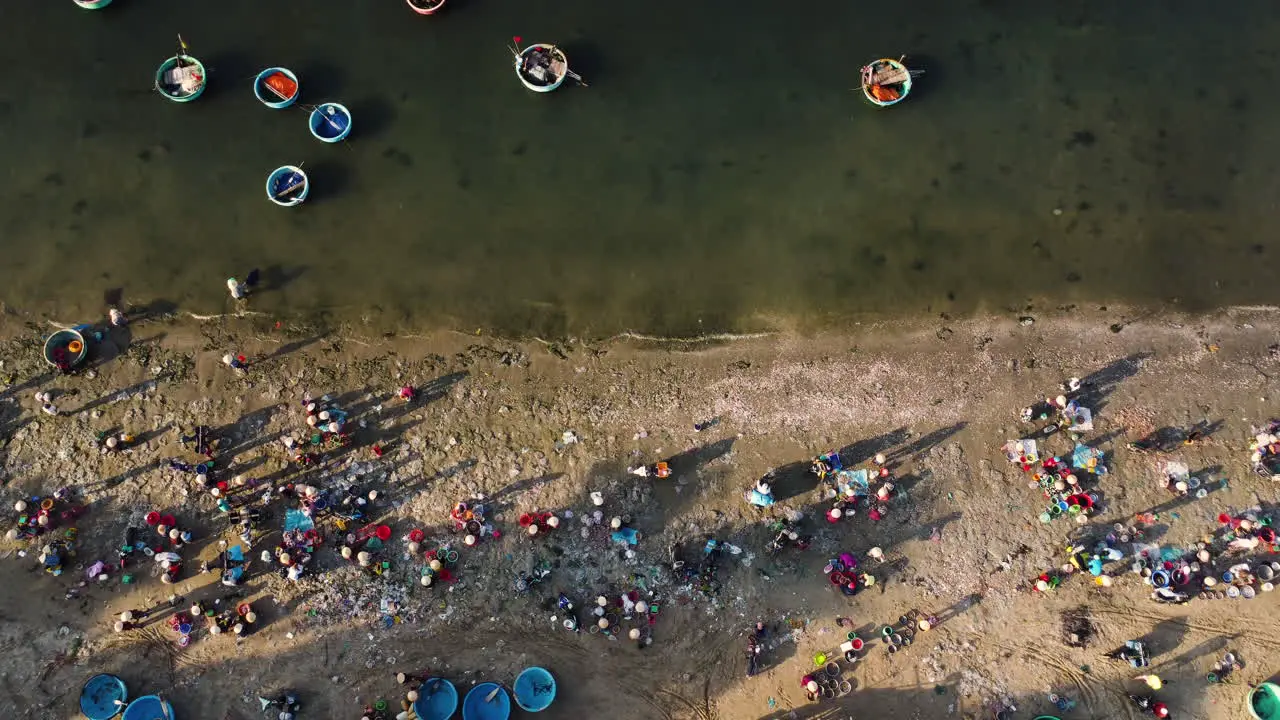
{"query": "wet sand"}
(718, 175)
(938, 398)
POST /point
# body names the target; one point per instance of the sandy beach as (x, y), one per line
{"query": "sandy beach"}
(538, 427)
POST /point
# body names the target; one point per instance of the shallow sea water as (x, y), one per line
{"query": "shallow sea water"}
(719, 174)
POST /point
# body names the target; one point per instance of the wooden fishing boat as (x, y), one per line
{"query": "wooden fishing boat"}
(330, 122)
(542, 67)
(425, 7)
(887, 82)
(276, 87)
(181, 78)
(92, 4)
(288, 185)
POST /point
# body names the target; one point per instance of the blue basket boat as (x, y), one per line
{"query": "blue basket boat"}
(149, 707)
(887, 82)
(479, 706)
(181, 78)
(102, 697)
(535, 689)
(437, 700)
(276, 87)
(92, 4)
(288, 185)
(65, 349)
(330, 122)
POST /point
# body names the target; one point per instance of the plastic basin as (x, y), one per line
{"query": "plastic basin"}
(1264, 702)
(437, 700)
(475, 707)
(98, 699)
(535, 689)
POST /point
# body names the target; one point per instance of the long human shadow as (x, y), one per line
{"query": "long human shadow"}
(689, 475)
(122, 394)
(1100, 384)
(289, 348)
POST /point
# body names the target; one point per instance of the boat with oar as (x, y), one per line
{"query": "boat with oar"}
(288, 185)
(330, 122)
(92, 4)
(276, 87)
(542, 67)
(425, 7)
(887, 81)
(181, 78)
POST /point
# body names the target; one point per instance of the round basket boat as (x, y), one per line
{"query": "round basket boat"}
(330, 122)
(288, 185)
(92, 4)
(437, 700)
(149, 707)
(181, 78)
(535, 689)
(542, 67)
(886, 82)
(102, 697)
(1264, 702)
(425, 7)
(477, 706)
(65, 349)
(276, 87)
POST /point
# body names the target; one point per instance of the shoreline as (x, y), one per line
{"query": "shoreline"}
(939, 403)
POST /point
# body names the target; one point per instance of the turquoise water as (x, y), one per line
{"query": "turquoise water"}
(718, 174)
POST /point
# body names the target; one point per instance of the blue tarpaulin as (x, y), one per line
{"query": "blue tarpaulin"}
(297, 520)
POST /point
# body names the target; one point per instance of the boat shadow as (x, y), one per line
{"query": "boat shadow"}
(328, 180)
(586, 60)
(934, 75)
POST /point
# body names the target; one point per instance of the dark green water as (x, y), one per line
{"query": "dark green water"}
(718, 174)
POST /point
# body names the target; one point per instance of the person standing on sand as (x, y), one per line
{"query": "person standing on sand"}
(240, 290)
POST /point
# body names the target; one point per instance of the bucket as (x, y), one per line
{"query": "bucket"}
(833, 669)
(837, 578)
(526, 520)
(184, 628)
(857, 643)
(153, 518)
(1160, 579)
(1265, 573)
(383, 532)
